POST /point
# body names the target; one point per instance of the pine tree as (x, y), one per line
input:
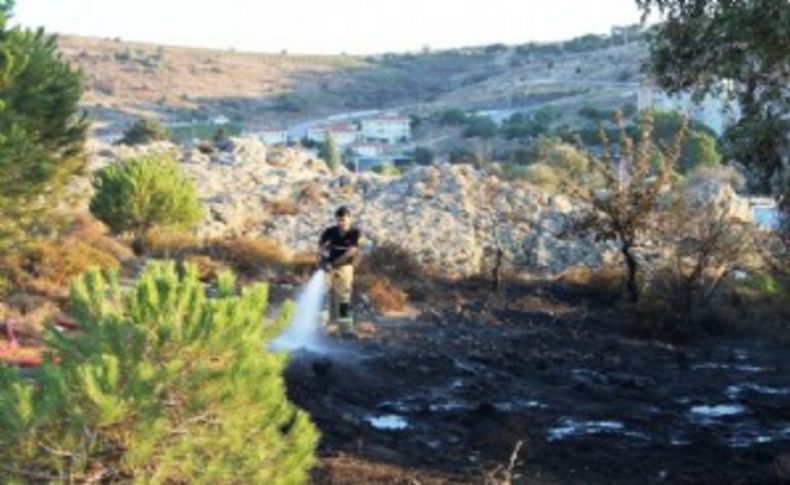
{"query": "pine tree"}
(162, 384)
(41, 133)
(143, 193)
(329, 152)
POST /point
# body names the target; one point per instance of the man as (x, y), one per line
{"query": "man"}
(339, 245)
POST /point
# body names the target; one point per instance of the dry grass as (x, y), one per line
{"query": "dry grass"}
(303, 263)
(284, 208)
(384, 295)
(311, 193)
(604, 279)
(208, 268)
(31, 313)
(250, 255)
(94, 233)
(391, 277)
(46, 267)
(177, 245)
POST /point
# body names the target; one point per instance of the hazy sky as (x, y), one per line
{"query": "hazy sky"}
(328, 26)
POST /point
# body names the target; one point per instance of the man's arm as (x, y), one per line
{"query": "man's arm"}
(347, 256)
(352, 251)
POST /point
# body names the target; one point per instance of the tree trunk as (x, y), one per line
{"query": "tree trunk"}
(630, 283)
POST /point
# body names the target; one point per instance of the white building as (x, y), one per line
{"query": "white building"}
(388, 127)
(274, 137)
(368, 149)
(344, 133)
(715, 111)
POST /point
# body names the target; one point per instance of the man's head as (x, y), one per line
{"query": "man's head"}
(343, 217)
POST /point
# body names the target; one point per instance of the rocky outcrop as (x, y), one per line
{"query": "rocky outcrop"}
(451, 217)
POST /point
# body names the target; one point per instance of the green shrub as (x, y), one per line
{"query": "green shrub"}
(542, 175)
(480, 126)
(452, 116)
(162, 384)
(144, 131)
(388, 169)
(142, 193)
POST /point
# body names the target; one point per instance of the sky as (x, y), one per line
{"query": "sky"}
(328, 26)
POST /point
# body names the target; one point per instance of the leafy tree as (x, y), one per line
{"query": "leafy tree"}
(41, 132)
(623, 208)
(705, 42)
(162, 384)
(462, 155)
(423, 156)
(480, 126)
(144, 130)
(699, 146)
(453, 116)
(329, 152)
(142, 193)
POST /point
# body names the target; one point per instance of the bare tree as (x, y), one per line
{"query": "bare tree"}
(622, 206)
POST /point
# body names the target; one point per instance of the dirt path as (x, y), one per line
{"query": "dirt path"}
(444, 398)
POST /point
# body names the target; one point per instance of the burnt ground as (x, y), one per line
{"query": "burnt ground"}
(445, 396)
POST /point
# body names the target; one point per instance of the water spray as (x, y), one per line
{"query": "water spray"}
(304, 332)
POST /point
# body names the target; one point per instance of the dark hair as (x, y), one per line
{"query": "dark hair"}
(342, 212)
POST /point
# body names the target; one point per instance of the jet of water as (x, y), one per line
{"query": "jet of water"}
(304, 332)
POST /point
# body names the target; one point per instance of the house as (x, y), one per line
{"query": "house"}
(388, 127)
(367, 149)
(274, 137)
(717, 112)
(344, 133)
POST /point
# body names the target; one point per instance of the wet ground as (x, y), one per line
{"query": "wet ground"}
(447, 395)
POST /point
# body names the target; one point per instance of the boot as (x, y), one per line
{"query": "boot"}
(345, 320)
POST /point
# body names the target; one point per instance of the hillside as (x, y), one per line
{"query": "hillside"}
(125, 79)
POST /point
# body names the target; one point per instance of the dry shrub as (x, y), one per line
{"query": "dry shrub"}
(607, 278)
(251, 255)
(385, 296)
(207, 268)
(303, 263)
(395, 263)
(46, 267)
(177, 245)
(390, 276)
(704, 246)
(94, 233)
(310, 194)
(283, 207)
(31, 313)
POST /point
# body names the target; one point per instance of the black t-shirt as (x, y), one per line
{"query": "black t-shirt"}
(340, 243)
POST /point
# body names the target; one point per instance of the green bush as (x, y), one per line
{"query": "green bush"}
(423, 155)
(480, 126)
(388, 169)
(144, 131)
(452, 116)
(162, 384)
(542, 175)
(142, 193)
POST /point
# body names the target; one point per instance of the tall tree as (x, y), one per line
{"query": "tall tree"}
(329, 152)
(708, 46)
(41, 132)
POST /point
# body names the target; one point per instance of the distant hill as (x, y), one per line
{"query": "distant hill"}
(125, 80)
